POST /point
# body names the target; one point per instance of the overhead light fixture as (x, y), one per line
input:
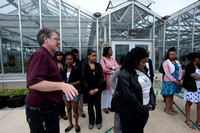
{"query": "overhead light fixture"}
(97, 14)
(165, 17)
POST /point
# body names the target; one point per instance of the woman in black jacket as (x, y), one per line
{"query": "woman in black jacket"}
(136, 92)
(191, 83)
(58, 56)
(71, 75)
(93, 79)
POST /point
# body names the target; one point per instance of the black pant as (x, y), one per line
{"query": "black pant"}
(43, 119)
(133, 124)
(62, 109)
(96, 100)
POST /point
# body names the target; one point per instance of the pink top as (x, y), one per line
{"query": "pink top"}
(108, 63)
(169, 69)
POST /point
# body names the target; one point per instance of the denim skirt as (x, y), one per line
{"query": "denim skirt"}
(76, 98)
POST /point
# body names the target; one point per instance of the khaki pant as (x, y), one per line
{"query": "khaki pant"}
(80, 105)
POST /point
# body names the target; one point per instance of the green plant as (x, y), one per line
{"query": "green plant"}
(26, 91)
(14, 91)
(11, 92)
(2, 91)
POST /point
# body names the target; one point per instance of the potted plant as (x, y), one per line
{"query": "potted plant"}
(12, 97)
(18, 97)
(16, 101)
(3, 98)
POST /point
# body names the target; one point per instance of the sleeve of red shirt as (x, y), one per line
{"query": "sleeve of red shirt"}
(37, 69)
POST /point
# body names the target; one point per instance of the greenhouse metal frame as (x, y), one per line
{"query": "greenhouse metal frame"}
(20, 21)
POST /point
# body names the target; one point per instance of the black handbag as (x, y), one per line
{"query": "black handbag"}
(161, 69)
(116, 102)
(104, 83)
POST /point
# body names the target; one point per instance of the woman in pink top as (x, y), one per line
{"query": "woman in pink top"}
(109, 65)
(172, 78)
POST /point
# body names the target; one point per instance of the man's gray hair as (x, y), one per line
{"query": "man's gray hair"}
(45, 32)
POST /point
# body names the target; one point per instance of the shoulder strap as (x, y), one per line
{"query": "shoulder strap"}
(104, 61)
(105, 65)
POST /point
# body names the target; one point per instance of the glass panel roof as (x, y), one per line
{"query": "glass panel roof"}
(9, 7)
(30, 7)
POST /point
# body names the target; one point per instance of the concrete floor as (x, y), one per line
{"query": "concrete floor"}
(14, 121)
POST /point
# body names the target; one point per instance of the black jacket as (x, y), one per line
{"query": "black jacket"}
(73, 77)
(92, 78)
(188, 81)
(130, 91)
(150, 69)
(79, 65)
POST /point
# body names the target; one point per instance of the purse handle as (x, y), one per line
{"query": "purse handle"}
(105, 66)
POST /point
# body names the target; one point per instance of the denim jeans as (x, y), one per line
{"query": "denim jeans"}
(133, 124)
(43, 119)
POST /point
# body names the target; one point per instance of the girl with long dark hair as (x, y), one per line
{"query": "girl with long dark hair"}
(58, 56)
(93, 79)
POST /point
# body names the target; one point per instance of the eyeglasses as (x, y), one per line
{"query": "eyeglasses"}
(57, 39)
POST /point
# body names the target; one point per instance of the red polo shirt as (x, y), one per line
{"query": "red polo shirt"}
(41, 66)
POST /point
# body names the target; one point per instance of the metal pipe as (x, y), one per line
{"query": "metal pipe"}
(21, 33)
(60, 18)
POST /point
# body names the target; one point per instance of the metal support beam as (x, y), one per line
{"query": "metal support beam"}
(132, 19)
(40, 12)
(105, 34)
(21, 37)
(164, 38)
(1, 52)
(79, 32)
(193, 29)
(97, 36)
(139, 15)
(178, 43)
(153, 43)
(4, 5)
(60, 18)
(109, 29)
(124, 14)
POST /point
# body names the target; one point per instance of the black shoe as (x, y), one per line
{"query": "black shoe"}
(83, 115)
(69, 128)
(65, 118)
(78, 129)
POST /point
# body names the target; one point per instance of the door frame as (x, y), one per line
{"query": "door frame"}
(132, 44)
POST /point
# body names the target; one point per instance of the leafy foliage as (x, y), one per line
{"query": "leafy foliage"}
(6, 91)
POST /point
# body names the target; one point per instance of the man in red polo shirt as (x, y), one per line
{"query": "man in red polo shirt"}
(45, 85)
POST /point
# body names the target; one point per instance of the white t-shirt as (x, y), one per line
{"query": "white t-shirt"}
(147, 65)
(146, 85)
(68, 74)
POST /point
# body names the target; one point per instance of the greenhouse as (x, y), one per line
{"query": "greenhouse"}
(123, 27)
